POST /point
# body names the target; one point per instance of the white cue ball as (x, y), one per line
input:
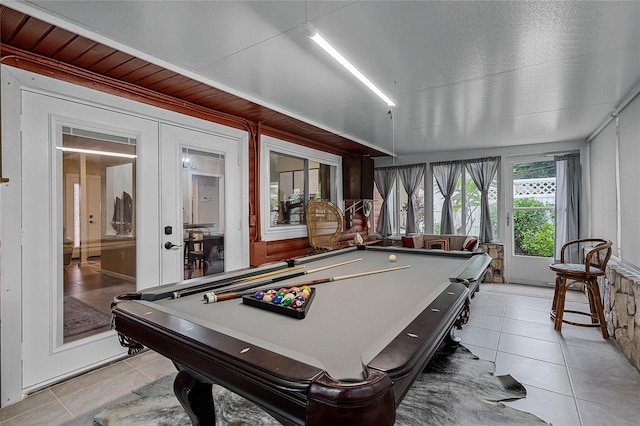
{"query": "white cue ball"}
(392, 258)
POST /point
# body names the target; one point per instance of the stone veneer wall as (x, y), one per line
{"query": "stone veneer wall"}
(495, 272)
(620, 290)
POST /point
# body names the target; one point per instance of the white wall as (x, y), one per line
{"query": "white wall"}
(603, 207)
(615, 183)
(504, 152)
(512, 151)
(10, 237)
(629, 162)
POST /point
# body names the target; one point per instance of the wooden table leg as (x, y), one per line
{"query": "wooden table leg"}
(196, 398)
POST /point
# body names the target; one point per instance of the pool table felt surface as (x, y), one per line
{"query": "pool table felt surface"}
(349, 322)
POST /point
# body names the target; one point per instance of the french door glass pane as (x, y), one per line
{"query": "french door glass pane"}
(534, 187)
(98, 227)
(203, 201)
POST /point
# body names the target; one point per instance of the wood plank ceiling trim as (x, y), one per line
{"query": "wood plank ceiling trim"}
(62, 71)
(32, 44)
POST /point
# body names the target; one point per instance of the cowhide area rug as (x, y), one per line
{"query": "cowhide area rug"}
(456, 388)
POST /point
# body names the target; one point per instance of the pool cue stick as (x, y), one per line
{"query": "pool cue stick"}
(212, 295)
(189, 292)
(236, 295)
(213, 286)
(299, 273)
(268, 274)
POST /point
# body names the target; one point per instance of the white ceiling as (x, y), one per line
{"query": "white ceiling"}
(464, 75)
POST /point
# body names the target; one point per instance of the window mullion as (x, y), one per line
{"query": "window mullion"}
(306, 182)
(305, 199)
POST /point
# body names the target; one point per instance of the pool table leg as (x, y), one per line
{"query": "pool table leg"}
(451, 339)
(196, 398)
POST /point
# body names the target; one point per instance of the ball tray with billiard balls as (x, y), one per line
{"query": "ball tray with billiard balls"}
(272, 300)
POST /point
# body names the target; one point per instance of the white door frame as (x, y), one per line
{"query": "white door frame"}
(15, 81)
(521, 269)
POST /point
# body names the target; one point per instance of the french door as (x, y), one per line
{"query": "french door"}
(89, 177)
(107, 195)
(530, 220)
(201, 189)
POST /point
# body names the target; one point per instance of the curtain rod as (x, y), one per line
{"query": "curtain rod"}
(399, 167)
(468, 160)
(616, 112)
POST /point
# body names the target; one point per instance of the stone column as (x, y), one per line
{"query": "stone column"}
(496, 272)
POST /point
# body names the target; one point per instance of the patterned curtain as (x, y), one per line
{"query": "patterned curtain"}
(411, 176)
(482, 172)
(384, 180)
(447, 175)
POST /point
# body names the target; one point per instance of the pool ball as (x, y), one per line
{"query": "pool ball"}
(297, 303)
(259, 295)
(267, 298)
(392, 258)
(276, 300)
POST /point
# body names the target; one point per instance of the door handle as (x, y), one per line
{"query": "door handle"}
(170, 246)
(508, 219)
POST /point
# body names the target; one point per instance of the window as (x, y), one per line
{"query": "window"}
(418, 204)
(398, 201)
(377, 203)
(466, 206)
(294, 174)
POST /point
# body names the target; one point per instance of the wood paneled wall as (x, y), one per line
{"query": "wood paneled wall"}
(273, 250)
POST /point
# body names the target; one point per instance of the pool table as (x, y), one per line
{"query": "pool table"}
(350, 361)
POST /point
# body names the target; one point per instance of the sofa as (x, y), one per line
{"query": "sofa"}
(447, 242)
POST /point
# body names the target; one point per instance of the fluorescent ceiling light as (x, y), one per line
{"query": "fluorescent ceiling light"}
(314, 35)
(93, 151)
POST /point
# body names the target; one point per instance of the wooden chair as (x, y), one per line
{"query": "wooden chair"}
(194, 250)
(325, 224)
(587, 273)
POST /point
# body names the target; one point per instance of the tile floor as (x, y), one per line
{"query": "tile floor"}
(573, 378)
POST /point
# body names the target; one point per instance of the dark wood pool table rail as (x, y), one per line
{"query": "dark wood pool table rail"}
(409, 352)
(209, 283)
(294, 392)
(472, 275)
(206, 354)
